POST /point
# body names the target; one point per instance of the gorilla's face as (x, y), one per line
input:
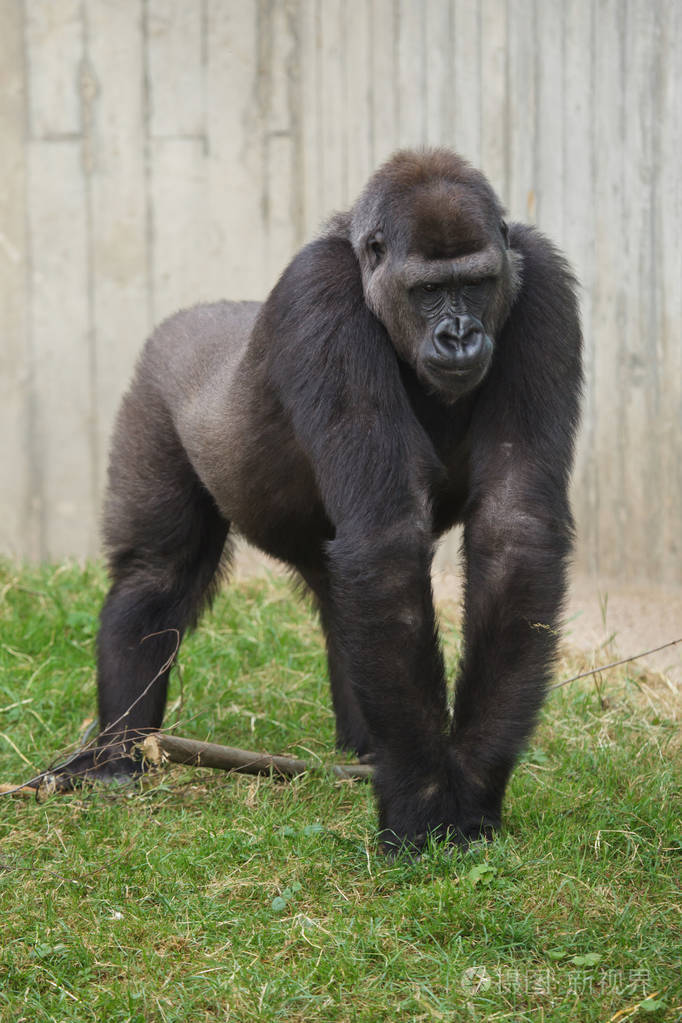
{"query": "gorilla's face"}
(441, 278)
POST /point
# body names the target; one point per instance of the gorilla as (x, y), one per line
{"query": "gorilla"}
(417, 365)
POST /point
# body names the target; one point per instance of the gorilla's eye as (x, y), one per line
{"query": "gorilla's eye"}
(429, 293)
(376, 248)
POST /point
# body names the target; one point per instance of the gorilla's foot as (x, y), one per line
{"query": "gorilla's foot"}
(354, 737)
(112, 763)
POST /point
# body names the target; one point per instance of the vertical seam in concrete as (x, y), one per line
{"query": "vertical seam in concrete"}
(655, 538)
(564, 113)
(263, 94)
(595, 558)
(343, 37)
(621, 314)
(35, 495)
(371, 98)
(319, 163)
(426, 91)
(452, 28)
(423, 89)
(450, 106)
(507, 115)
(562, 79)
(656, 108)
(86, 99)
(479, 48)
(204, 75)
(345, 80)
(147, 143)
(293, 12)
(537, 84)
(396, 65)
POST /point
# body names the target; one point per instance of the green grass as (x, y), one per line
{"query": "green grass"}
(203, 896)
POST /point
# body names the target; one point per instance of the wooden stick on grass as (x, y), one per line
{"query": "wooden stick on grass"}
(229, 758)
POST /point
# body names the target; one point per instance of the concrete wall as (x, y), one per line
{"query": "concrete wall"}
(159, 152)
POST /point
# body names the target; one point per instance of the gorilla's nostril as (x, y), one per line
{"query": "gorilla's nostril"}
(444, 340)
(471, 342)
(467, 350)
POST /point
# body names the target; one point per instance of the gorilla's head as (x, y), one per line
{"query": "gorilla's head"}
(437, 270)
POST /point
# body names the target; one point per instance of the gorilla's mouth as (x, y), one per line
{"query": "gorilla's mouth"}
(448, 381)
(442, 368)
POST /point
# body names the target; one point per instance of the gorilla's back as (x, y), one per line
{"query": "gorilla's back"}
(187, 371)
(199, 347)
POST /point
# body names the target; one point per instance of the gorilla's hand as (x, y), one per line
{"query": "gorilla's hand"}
(439, 802)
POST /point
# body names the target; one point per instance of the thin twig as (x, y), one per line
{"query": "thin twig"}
(166, 666)
(615, 664)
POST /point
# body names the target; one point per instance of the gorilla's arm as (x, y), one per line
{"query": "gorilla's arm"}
(518, 527)
(337, 377)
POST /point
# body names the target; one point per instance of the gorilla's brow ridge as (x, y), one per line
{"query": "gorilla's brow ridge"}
(416, 270)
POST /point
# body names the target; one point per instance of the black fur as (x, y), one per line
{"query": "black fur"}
(416, 366)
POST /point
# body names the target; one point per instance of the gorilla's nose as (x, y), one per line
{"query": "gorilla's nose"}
(459, 340)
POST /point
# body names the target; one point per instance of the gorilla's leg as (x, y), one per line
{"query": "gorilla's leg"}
(165, 538)
(352, 732)
(150, 605)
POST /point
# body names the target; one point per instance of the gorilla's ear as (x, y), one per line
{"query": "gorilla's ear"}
(376, 249)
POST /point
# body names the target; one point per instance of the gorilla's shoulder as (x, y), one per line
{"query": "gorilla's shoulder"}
(543, 266)
(324, 275)
(329, 254)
